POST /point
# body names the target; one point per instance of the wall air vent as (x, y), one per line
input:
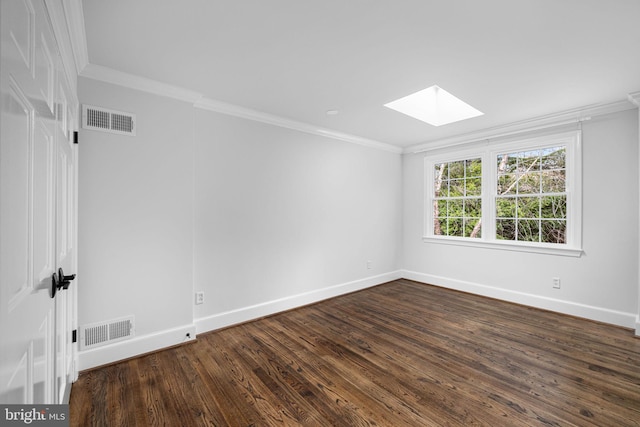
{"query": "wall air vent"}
(103, 333)
(105, 120)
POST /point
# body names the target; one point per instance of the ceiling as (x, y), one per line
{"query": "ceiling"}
(511, 59)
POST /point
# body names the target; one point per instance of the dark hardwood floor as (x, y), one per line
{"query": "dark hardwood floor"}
(399, 354)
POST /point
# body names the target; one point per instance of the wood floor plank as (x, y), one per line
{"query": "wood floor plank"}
(448, 361)
(349, 401)
(399, 354)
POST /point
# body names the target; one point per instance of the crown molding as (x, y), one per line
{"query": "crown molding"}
(259, 116)
(542, 122)
(131, 81)
(109, 75)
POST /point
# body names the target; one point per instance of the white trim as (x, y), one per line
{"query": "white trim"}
(487, 153)
(244, 314)
(634, 98)
(119, 78)
(109, 75)
(136, 346)
(259, 116)
(600, 314)
(506, 246)
(538, 123)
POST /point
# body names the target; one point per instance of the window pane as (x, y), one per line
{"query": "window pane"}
(506, 163)
(553, 181)
(506, 207)
(473, 208)
(507, 184)
(474, 168)
(444, 189)
(554, 158)
(439, 226)
(456, 170)
(529, 183)
(455, 208)
(472, 227)
(506, 229)
(528, 207)
(528, 161)
(473, 186)
(456, 188)
(440, 209)
(528, 230)
(554, 207)
(455, 227)
(554, 231)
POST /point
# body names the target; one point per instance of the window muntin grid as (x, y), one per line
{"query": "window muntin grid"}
(531, 195)
(457, 201)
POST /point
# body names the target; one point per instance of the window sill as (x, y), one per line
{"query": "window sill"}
(506, 246)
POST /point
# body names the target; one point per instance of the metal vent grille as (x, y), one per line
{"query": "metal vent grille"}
(122, 123)
(105, 120)
(103, 333)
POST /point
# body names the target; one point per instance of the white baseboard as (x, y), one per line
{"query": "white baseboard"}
(244, 314)
(619, 318)
(638, 326)
(136, 346)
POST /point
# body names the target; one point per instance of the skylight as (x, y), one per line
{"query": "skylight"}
(435, 106)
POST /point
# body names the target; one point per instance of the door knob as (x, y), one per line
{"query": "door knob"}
(54, 285)
(65, 281)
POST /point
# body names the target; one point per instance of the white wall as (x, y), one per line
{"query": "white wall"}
(263, 218)
(602, 284)
(136, 221)
(259, 217)
(284, 218)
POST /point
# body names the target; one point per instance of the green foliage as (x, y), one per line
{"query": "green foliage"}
(531, 204)
(458, 206)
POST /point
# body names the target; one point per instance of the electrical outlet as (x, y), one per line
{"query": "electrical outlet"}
(556, 282)
(368, 265)
(200, 297)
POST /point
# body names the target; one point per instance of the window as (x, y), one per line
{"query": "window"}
(457, 203)
(531, 198)
(521, 194)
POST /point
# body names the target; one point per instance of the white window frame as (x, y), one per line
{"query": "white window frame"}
(488, 153)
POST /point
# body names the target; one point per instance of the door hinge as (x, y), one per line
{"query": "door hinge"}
(75, 137)
(74, 336)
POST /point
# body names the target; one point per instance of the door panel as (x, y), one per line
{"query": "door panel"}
(37, 219)
(16, 126)
(20, 29)
(43, 213)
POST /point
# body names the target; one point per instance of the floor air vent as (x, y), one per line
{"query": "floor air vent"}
(103, 333)
(105, 120)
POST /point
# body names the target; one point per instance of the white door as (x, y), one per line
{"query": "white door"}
(64, 248)
(36, 209)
